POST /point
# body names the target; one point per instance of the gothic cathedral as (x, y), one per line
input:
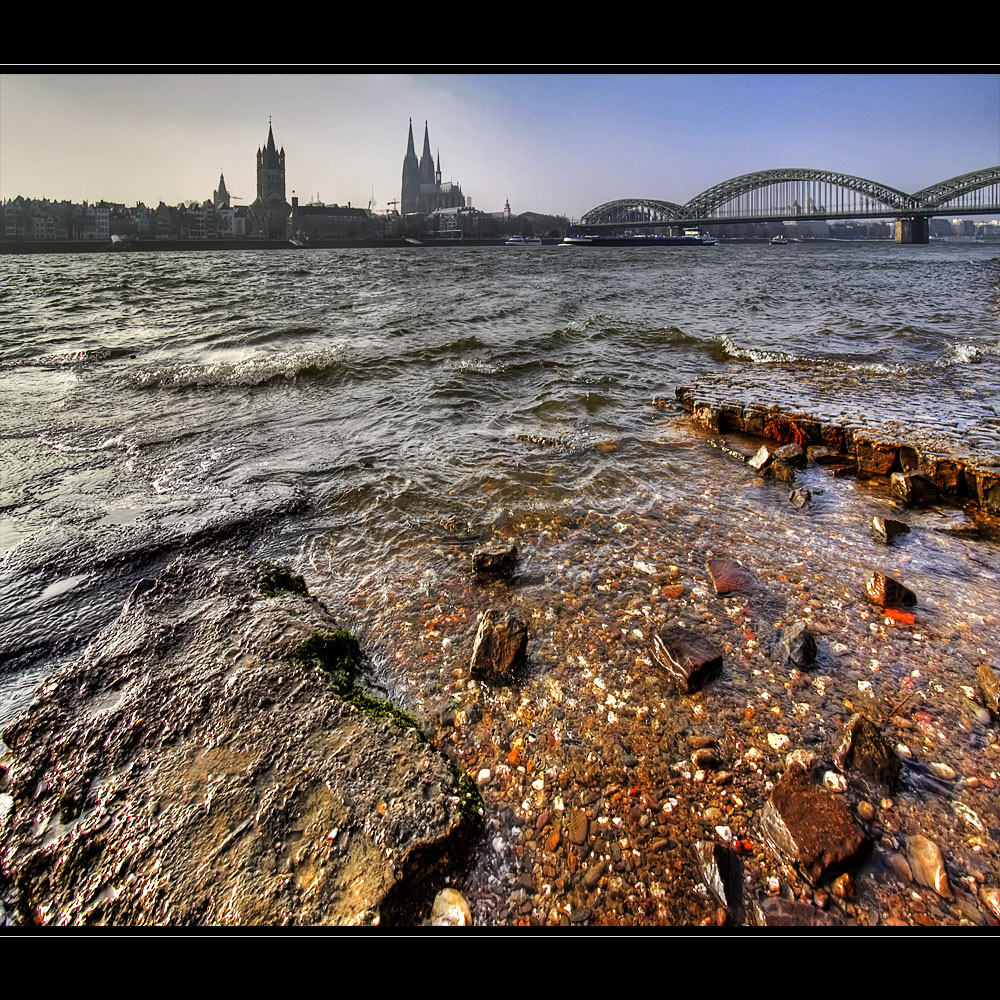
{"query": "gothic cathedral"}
(423, 191)
(270, 210)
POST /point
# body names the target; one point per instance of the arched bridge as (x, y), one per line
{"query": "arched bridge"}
(796, 193)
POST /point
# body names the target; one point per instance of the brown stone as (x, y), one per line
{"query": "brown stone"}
(885, 529)
(875, 456)
(688, 658)
(822, 454)
(778, 912)
(913, 488)
(501, 645)
(495, 560)
(809, 827)
(885, 592)
(863, 748)
(791, 453)
(729, 575)
(989, 687)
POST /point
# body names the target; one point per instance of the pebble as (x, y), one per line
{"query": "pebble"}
(778, 741)
(577, 827)
(991, 897)
(450, 910)
(928, 865)
(943, 771)
(835, 782)
(483, 776)
(866, 810)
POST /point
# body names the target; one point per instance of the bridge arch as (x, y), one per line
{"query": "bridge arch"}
(961, 191)
(625, 210)
(767, 192)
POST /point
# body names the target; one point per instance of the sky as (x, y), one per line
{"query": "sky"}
(555, 142)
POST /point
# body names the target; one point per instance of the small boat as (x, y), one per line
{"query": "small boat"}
(778, 241)
(412, 241)
(523, 241)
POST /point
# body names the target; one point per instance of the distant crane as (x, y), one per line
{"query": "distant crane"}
(393, 204)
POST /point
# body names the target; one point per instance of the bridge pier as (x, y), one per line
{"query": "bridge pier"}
(912, 230)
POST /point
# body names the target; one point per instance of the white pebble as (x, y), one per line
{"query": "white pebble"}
(483, 776)
(903, 750)
(725, 833)
(778, 741)
(835, 782)
(944, 771)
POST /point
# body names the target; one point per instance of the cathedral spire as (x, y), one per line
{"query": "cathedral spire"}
(426, 160)
(410, 151)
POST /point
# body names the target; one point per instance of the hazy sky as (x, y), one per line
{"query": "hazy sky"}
(551, 142)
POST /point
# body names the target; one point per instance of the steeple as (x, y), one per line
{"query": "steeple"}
(437, 173)
(426, 160)
(410, 151)
(220, 198)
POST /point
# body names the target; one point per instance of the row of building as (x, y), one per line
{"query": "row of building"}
(427, 205)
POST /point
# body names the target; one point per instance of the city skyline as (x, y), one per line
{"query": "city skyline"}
(550, 142)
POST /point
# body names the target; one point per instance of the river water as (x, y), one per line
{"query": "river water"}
(369, 416)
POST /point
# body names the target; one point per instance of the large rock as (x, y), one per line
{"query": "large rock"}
(808, 827)
(690, 659)
(913, 488)
(863, 748)
(197, 767)
(722, 872)
(778, 912)
(501, 645)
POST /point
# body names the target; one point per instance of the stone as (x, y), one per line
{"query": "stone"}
(822, 454)
(989, 687)
(450, 910)
(863, 748)
(800, 498)
(797, 647)
(495, 560)
(729, 576)
(792, 454)
(228, 721)
(577, 827)
(689, 658)
(991, 897)
(928, 864)
(501, 645)
(761, 459)
(913, 488)
(782, 470)
(722, 871)
(885, 592)
(778, 912)
(807, 826)
(874, 457)
(885, 529)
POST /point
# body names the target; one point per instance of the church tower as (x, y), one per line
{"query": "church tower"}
(426, 160)
(270, 209)
(410, 198)
(220, 198)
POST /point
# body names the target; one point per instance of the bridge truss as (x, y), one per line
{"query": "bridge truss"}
(797, 193)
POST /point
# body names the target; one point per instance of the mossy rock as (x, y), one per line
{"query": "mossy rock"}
(273, 579)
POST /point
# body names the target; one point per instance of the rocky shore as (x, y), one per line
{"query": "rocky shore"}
(652, 721)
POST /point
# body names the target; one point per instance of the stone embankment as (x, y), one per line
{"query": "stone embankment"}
(213, 759)
(918, 473)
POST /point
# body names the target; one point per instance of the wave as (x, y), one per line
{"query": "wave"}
(86, 355)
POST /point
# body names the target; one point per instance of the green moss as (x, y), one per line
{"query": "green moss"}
(274, 579)
(469, 797)
(339, 654)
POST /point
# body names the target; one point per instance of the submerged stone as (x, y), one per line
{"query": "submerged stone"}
(690, 659)
(450, 910)
(729, 576)
(501, 645)
(863, 748)
(495, 560)
(927, 864)
(885, 529)
(808, 827)
(989, 687)
(778, 912)
(885, 592)
(797, 647)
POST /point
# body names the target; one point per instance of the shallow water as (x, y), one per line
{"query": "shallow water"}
(370, 416)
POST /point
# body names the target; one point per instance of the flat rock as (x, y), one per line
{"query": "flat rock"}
(689, 658)
(885, 529)
(729, 576)
(495, 560)
(200, 769)
(863, 748)
(501, 646)
(885, 592)
(808, 827)
(821, 454)
(778, 912)
(722, 871)
(792, 454)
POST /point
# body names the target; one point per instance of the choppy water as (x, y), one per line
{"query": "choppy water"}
(368, 415)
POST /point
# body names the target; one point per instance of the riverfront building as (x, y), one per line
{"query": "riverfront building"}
(423, 192)
(270, 209)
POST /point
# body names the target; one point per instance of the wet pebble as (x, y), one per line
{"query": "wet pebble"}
(450, 910)
(928, 864)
